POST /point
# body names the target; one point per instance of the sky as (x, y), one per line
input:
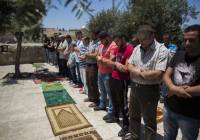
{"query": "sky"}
(62, 17)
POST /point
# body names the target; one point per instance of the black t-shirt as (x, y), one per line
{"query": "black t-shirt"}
(46, 42)
(186, 71)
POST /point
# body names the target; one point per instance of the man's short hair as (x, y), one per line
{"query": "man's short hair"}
(95, 32)
(85, 38)
(103, 35)
(78, 32)
(120, 36)
(147, 30)
(195, 27)
(68, 36)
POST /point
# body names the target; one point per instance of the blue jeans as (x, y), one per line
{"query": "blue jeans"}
(83, 78)
(172, 122)
(103, 82)
(78, 76)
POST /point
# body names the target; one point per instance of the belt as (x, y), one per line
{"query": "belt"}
(143, 85)
(89, 65)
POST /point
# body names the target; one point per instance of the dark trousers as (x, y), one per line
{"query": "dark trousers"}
(92, 83)
(119, 89)
(73, 74)
(62, 65)
(143, 103)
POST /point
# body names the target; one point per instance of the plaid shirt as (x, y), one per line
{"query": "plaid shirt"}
(93, 47)
(155, 58)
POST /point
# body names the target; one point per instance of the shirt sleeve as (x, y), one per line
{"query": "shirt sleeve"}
(113, 50)
(130, 60)
(162, 59)
(172, 61)
(129, 52)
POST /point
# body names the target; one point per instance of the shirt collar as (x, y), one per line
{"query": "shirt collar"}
(152, 47)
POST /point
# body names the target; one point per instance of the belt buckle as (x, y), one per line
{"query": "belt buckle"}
(137, 85)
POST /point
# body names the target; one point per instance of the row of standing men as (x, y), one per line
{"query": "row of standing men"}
(106, 66)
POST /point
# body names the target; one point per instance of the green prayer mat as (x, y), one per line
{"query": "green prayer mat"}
(52, 86)
(60, 97)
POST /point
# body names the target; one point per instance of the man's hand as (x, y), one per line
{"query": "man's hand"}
(99, 59)
(82, 57)
(120, 67)
(179, 91)
(136, 73)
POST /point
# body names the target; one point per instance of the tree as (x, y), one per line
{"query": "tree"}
(21, 16)
(164, 15)
(104, 20)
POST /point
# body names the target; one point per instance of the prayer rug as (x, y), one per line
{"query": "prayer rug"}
(60, 97)
(51, 86)
(66, 118)
(159, 115)
(84, 134)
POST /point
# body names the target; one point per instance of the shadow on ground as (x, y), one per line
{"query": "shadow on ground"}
(43, 75)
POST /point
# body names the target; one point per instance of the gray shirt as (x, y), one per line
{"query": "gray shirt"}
(155, 58)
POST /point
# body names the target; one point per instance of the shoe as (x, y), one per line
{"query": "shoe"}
(92, 105)
(80, 89)
(123, 132)
(97, 108)
(86, 100)
(107, 116)
(77, 86)
(82, 92)
(112, 120)
(128, 136)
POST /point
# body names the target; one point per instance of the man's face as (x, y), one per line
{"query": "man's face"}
(145, 39)
(120, 42)
(93, 36)
(79, 36)
(105, 41)
(166, 38)
(192, 43)
(68, 39)
(86, 42)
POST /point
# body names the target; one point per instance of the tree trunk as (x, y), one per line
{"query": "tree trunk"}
(18, 55)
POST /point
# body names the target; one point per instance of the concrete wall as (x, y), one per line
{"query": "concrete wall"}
(31, 53)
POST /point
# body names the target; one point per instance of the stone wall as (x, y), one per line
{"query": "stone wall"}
(31, 53)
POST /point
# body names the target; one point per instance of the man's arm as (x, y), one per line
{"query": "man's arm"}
(151, 74)
(193, 90)
(173, 89)
(134, 71)
(109, 62)
(91, 55)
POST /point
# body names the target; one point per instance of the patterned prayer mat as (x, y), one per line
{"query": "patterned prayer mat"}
(60, 97)
(66, 118)
(159, 115)
(51, 86)
(83, 134)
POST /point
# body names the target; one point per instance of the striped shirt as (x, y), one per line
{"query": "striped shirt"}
(78, 44)
(155, 58)
(93, 47)
(83, 51)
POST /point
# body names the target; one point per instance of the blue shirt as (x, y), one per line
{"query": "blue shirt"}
(172, 48)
